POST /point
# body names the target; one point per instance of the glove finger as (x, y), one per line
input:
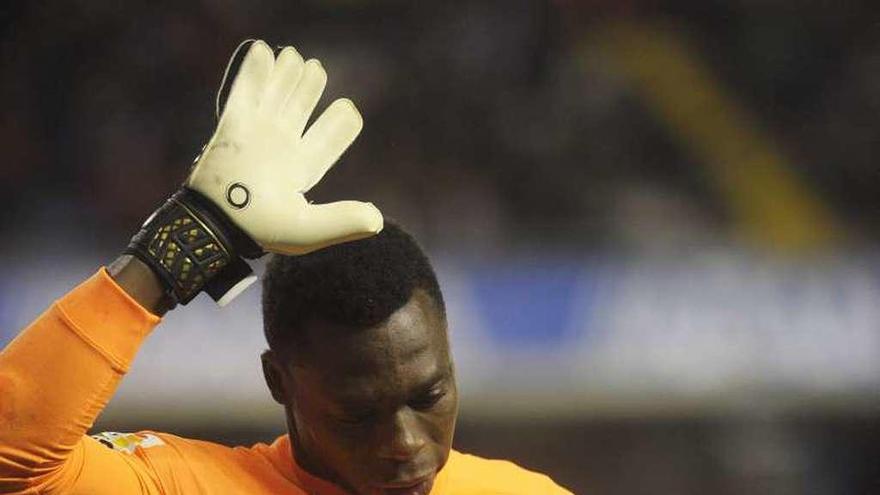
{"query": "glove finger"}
(252, 76)
(304, 98)
(285, 75)
(333, 223)
(329, 137)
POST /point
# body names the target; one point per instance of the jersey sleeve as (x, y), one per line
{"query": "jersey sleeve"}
(56, 376)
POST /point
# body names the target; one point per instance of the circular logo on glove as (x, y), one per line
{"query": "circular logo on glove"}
(237, 195)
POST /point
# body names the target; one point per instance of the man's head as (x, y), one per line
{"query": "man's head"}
(360, 359)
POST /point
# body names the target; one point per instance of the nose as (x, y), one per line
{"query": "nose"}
(404, 437)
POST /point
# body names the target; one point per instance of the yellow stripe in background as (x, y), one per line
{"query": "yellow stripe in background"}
(770, 204)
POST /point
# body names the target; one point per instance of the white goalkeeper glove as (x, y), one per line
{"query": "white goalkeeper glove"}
(259, 163)
(245, 193)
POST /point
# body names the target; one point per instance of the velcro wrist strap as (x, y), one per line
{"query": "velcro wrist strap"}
(212, 216)
(191, 248)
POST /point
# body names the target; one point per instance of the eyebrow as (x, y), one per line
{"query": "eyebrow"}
(438, 376)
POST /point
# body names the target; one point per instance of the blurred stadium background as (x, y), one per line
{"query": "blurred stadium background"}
(657, 227)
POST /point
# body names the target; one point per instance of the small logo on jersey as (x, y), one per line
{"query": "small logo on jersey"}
(238, 196)
(127, 442)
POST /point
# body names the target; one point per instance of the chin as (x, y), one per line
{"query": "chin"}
(421, 486)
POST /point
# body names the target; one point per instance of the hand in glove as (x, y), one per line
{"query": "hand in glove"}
(259, 163)
(245, 193)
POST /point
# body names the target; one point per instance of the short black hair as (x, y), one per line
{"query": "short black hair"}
(358, 284)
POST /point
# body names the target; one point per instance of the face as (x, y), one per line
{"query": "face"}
(372, 410)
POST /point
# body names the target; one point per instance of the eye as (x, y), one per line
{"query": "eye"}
(428, 399)
(355, 419)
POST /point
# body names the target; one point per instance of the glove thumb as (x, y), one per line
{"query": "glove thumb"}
(323, 225)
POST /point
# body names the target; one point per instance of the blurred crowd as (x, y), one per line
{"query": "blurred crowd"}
(489, 125)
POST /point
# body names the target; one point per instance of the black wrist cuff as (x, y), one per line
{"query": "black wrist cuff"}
(191, 245)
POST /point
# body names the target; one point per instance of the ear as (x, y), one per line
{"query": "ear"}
(274, 375)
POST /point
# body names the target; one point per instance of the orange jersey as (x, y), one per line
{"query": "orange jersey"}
(60, 372)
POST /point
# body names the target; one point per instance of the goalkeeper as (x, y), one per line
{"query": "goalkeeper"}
(358, 349)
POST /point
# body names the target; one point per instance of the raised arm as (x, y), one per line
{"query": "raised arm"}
(56, 377)
(140, 282)
(244, 196)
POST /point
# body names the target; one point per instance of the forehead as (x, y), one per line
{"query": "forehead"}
(408, 349)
